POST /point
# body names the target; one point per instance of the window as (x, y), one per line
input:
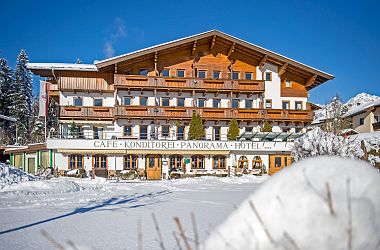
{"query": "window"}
(201, 103)
(75, 161)
(180, 132)
(165, 131)
(298, 130)
(202, 74)
(248, 75)
(98, 102)
(288, 83)
(143, 132)
(216, 74)
(235, 103)
(175, 161)
(268, 76)
(197, 162)
(143, 100)
(361, 121)
(165, 101)
(127, 130)
(298, 105)
(78, 101)
(143, 72)
(165, 73)
(376, 118)
(248, 129)
(130, 162)
(127, 100)
(181, 102)
(285, 105)
(216, 103)
(268, 103)
(98, 132)
(99, 161)
(180, 73)
(277, 162)
(248, 104)
(235, 75)
(218, 162)
(217, 133)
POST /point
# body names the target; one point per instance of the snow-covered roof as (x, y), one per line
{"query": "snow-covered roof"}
(369, 135)
(361, 108)
(62, 66)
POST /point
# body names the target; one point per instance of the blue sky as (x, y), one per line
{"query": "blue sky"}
(341, 38)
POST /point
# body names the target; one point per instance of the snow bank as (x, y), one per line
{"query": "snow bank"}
(291, 210)
(10, 175)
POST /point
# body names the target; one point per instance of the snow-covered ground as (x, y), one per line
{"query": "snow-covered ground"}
(99, 214)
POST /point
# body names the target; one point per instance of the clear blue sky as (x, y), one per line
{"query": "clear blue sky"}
(339, 37)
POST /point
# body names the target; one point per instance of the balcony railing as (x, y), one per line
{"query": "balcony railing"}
(197, 84)
(212, 113)
(87, 112)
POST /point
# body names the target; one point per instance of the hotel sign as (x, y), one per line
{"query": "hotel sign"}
(167, 145)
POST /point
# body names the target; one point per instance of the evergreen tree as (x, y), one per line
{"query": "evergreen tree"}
(7, 89)
(233, 130)
(52, 116)
(22, 99)
(38, 124)
(74, 130)
(267, 127)
(196, 130)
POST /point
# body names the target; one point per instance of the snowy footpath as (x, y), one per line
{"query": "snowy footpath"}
(99, 214)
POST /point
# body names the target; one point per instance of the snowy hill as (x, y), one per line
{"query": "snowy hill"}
(357, 100)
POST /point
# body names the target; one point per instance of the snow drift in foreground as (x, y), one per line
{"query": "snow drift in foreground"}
(292, 210)
(10, 175)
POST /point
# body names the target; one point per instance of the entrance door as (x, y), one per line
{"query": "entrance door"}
(31, 165)
(277, 162)
(153, 167)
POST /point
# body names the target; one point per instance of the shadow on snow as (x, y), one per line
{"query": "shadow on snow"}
(114, 201)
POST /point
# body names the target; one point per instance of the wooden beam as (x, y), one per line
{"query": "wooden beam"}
(282, 69)
(212, 45)
(262, 62)
(231, 50)
(311, 81)
(155, 63)
(194, 48)
(115, 68)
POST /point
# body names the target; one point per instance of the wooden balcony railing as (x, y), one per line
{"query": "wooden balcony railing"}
(213, 113)
(87, 112)
(197, 84)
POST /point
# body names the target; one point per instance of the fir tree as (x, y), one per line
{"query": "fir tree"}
(38, 124)
(74, 130)
(196, 130)
(7, 89)
(22, 98)
(267, 127)
(233, 130)
(52, 116)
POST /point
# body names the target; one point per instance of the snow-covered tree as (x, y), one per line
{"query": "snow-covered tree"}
(52, 119)
(318, 142)
(334, 121)
(37, 124)
(7, 89)
(22, 98)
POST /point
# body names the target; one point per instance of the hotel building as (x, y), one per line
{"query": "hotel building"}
(133, 110)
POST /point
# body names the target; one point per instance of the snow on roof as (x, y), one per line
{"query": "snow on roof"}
(361, 108)
(369, 135)
(62, 66)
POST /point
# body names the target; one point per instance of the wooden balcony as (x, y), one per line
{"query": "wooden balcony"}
(149, 112)
(87, 113)
(188, 84)
(85, 82)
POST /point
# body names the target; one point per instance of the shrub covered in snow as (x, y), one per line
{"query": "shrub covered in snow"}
(320, 203)
(10, 175)
(317, 142)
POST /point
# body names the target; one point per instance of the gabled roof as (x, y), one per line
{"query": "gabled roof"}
(218, 34)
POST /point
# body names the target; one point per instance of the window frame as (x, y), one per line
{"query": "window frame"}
(143, 69)
(130, 162)
(250, 74)
(360, 121)
(218, 72)
(285, 102)
(182, 135)
(298, 102)
(165, 69)
(125, 130)
(197, 162)
(238, 75)
(204, 102)
(268, 101)
(246, 103)
(181, 98)
(75, 158)
(238, 103)
(97, 99)
(175, 161)
(219, 162)
(217, 137)
(143, 136)
(202, 71)
(78, 98)
(164, 99)
(101, 160)
(143, 98)
(181, 70)
(167, 133)
(288, 83)
(270, 76)
(126, 98)
(216, 100)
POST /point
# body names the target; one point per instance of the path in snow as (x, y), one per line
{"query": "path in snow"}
(104, 215)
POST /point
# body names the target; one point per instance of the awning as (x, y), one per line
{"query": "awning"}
(92, 152)
(176, 152)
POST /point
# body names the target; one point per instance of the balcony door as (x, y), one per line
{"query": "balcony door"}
(153, 167)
